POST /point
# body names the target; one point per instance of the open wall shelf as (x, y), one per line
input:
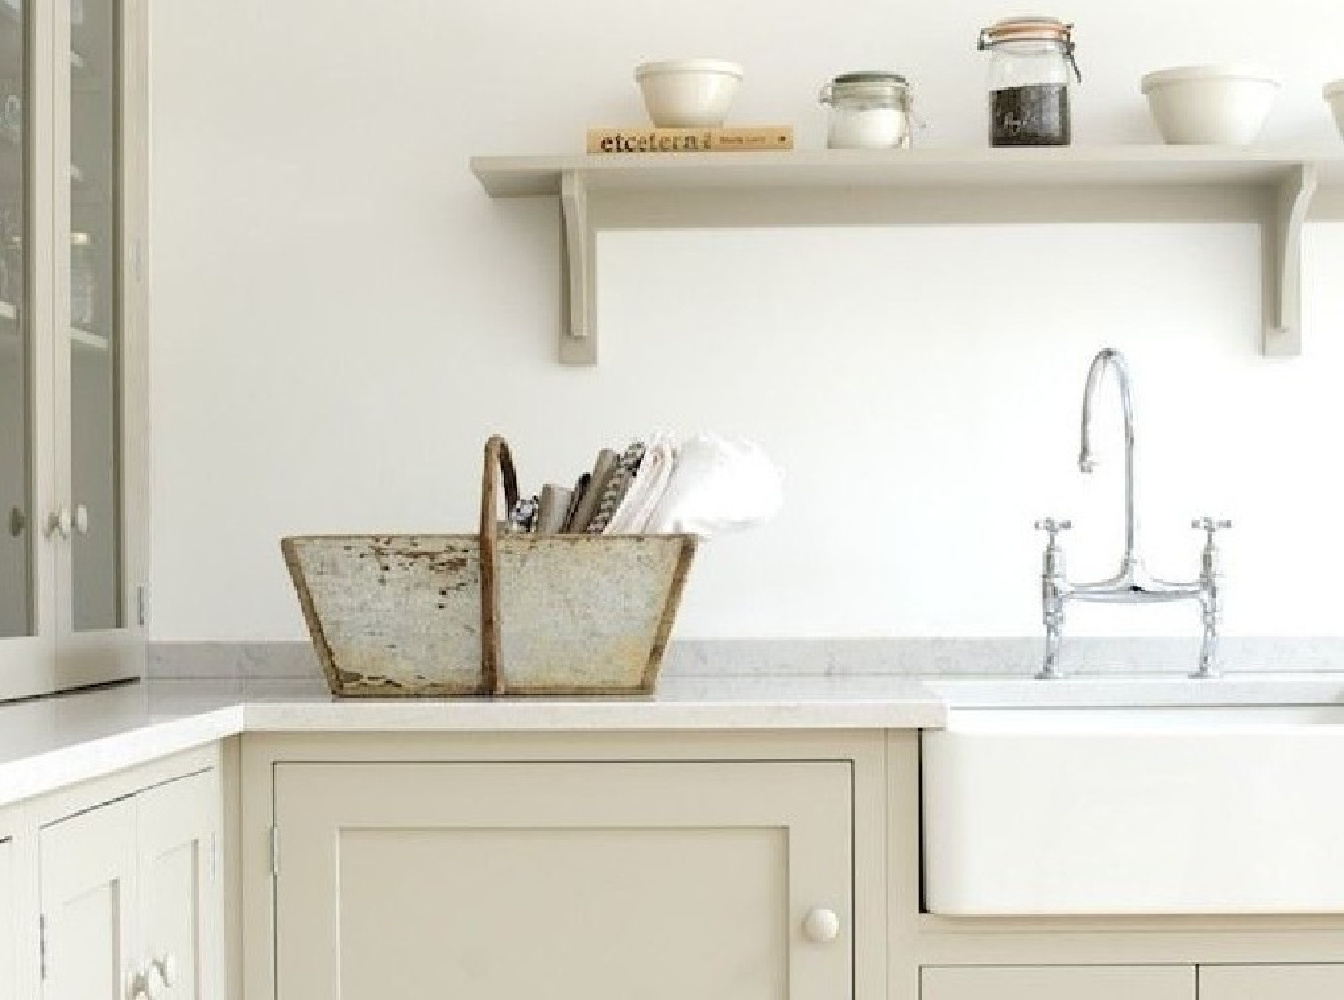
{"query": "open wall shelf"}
(1279, 189)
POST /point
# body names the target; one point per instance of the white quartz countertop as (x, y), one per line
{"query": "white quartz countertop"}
(50, 743)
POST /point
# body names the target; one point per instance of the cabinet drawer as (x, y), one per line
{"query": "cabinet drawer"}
(600, 880)
(1271, 982)
(1059, 982)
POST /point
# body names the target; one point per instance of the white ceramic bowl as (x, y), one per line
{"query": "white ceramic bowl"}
(688, 93)
(1334, 93)
(1226, 105)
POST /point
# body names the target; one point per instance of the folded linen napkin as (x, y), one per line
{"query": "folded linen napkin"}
(614, 490)
(646, 489)
(717, 484)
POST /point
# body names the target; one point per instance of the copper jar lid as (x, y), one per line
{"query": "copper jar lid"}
(1027, 29)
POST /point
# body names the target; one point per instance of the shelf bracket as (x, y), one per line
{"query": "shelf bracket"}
(1283, 262)
(578, 293)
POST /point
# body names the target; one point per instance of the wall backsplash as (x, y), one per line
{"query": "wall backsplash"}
(1158, 659)
(341, 316)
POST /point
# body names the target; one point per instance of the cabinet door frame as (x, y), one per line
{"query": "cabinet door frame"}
(10, 905)
(29, 665)
(184, 814)
(812, 800)
(77, 855)
(55, 657)
(92, 657)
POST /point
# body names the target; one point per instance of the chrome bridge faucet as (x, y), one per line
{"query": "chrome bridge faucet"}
(1131, 584)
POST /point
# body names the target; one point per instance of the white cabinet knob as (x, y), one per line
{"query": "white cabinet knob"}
(61, 523)
(81, 519)
(137, 988)
(166, 968)
(821, 926)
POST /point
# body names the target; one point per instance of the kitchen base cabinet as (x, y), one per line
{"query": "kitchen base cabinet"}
(1271, 982)
(130, 898)
(111, 889)
(600, 880)
(1062, 982)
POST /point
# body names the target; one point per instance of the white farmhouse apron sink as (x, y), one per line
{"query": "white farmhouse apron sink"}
(1135, 811)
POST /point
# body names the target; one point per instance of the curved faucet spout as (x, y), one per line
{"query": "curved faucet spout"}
(1111, 358)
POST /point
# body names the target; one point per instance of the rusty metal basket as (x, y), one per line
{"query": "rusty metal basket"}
(489, 614)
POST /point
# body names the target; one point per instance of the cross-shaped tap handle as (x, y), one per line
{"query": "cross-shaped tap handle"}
(1053, 527)
(1210, 525)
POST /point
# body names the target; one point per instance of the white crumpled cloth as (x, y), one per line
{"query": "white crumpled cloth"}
(712, 484)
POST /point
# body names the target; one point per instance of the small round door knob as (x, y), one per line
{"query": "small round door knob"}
(166, 966)
(61, 523)
(821, 925)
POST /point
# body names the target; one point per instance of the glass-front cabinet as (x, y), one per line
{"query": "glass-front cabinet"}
(72, 365)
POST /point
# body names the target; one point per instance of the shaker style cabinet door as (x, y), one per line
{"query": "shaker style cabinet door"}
(88, 904)
(1271, 982)
(181, 901)
(1060, 982)
(591, 881)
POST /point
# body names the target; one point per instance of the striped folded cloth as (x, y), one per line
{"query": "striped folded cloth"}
(615, 489)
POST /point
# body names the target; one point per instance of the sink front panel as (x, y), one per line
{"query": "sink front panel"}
(1135, 811)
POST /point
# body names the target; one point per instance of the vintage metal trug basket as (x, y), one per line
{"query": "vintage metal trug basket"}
(445, 615)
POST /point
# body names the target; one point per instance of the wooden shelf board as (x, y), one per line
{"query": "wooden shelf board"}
(1276, 187)
(524, 176)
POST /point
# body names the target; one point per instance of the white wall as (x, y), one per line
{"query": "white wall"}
(340, 316)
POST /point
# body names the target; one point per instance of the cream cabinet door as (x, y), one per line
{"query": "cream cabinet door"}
(1061, 982)
(9, 968)
(600, 881)
(1271, 982)
(87, 878)
(181, 904)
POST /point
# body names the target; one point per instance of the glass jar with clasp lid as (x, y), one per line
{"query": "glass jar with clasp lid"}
(870, 109)
(1031, 67)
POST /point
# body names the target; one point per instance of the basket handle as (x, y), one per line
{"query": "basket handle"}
(497, 457)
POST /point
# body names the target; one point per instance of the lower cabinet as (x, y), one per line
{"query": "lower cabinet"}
(1271, 982)
(596, 880)
(1060, 982)
(130, 904)
(9, 891)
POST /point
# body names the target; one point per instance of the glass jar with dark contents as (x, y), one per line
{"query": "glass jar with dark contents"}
(1030, 65)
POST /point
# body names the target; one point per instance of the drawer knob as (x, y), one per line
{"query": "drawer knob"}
(821, 925)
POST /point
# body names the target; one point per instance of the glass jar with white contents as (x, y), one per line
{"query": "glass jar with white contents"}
(869, 110)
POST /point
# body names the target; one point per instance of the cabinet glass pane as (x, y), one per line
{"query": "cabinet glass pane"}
(16, 487)
(93, 311)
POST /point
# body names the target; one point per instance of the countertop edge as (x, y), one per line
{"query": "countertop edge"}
(592, 717)
(78, 737)
(52, 770)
